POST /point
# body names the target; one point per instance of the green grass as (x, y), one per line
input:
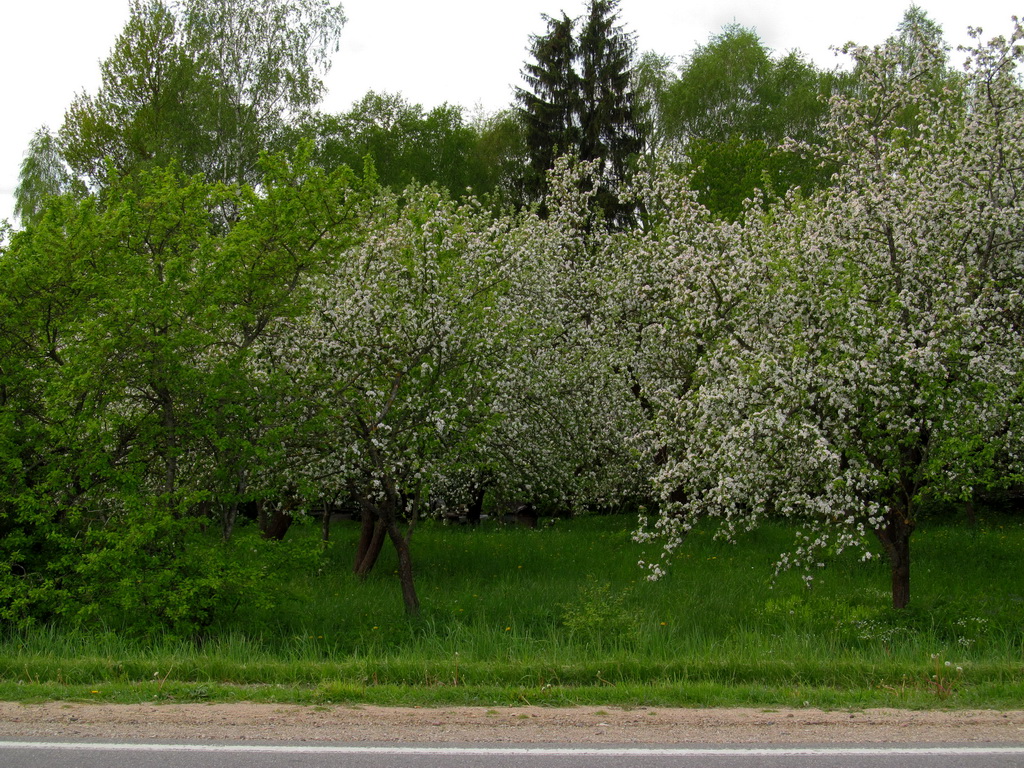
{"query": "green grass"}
(562, 615)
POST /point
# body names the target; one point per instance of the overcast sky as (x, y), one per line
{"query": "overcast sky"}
(465, 52)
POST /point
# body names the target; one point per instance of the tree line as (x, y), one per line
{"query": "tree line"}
(748, 290)
(211, 85)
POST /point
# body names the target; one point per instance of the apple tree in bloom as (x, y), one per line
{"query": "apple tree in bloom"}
(567, 408)
(396, 360)
(844, 360)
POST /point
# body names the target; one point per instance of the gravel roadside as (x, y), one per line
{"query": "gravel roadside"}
(592, 725)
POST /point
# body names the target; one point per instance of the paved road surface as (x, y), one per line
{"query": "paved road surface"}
(94, 754)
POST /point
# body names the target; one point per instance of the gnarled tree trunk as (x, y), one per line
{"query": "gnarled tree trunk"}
(371, 541)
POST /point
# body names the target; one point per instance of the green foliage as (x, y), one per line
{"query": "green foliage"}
(146, 572)
(404, 145)
(600, 615)
(43, 175)
(729, 110)
(732, 88)
(132, 395)
(151, 107)
(152, 572)
(579, 102)
(208, 84)
(501, 148)
(652, 75)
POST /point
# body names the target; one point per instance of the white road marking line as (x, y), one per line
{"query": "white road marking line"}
(523, 751)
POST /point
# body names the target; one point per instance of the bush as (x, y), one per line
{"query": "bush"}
(146, 571)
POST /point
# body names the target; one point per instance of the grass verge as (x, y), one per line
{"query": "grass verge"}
(563, 616)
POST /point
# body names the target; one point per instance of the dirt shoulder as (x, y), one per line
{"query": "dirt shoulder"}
(592, 725)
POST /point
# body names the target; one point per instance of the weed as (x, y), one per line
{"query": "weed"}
(945, 677)
(600, 614)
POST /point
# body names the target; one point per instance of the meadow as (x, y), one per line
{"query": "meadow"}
(563, 615)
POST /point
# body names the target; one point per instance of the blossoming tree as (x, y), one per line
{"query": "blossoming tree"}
(844, 360)
(397, 360)
(567, 410)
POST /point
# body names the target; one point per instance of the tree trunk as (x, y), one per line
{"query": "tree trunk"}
(371, 542)
(229, 512)
(367, 523)
(170, 446)
(325, 523)
(476, 505)
(412, 602)
(895, 539)
(261, 514)
(278, 522)
(228, 516)
(526, 516)
(972, 515)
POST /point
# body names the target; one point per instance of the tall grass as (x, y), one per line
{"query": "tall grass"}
(564, 614)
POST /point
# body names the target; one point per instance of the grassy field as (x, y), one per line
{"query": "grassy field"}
(562, 615)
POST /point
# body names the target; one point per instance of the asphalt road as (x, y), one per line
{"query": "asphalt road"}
(94, 754)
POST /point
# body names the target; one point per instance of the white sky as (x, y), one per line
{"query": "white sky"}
(465, 52)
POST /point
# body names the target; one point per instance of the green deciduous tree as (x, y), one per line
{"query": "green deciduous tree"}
(44, 174)
(209, 84)
(406, 144)
(135, 408)
(151, 108)
(731, 108)
(501, 149)
(266, 58)
(652, 76)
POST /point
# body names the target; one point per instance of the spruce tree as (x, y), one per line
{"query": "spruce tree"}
(549, 108)
(609, 130)
(579, 102)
